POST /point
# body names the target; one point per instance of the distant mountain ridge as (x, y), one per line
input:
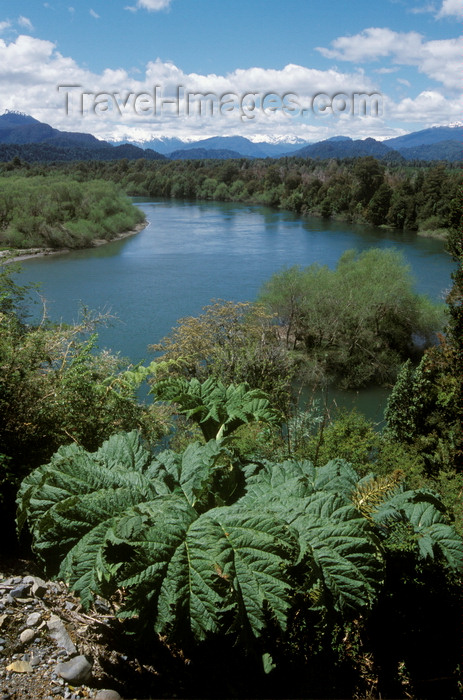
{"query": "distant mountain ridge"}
(28, 138)
(17, 128)
(427, 137)
(437, 143)
(239, 144)
(21, 134)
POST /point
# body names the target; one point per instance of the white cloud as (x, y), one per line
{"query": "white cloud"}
(25, 23)
(402, 81)
(372, 44)
(152, 5)
(94, 14)
(451, 8)
(439, 59)
(5, 25)
(31, 69)
(427, 109)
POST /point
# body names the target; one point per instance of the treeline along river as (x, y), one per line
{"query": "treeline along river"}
(190, 253)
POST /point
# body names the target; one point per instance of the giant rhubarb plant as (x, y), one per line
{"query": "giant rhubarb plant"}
(204, 545)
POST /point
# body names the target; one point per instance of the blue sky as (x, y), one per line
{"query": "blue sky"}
(407, 53)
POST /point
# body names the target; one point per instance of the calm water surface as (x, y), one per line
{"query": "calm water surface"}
(191, 253)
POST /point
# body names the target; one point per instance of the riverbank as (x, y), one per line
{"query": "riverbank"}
(18, 254)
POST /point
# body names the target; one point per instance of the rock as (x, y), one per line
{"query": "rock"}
(76, 671)
(107, 695)
(35, 661)
(33, 619)
(27, 636)
(59, 634)
(39, 586)
(20, 591)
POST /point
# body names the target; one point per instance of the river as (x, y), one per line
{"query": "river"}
(191, 253)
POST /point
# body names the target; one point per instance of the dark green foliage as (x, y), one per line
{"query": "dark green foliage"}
(218, 410)
(419, 196)
(206, 547)
(67, 152)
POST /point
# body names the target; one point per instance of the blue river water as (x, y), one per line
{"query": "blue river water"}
(191, 253)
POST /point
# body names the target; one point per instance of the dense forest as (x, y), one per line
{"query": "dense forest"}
(224, 522)
(420, 197)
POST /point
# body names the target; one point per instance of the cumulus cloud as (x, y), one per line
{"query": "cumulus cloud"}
(151, 5)
(438, 59)
(451, 8)
(427, 109)
(31, 70)
(25, 23)
(372, 44)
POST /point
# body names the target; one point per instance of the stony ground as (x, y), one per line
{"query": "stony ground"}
(51, 648)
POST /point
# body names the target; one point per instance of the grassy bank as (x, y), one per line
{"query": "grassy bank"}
(56, 212)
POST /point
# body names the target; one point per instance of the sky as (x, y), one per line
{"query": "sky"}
(263, 69)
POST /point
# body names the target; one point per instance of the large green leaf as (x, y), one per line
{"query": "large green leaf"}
(344, 547)
(62, 527)
(118, 463)
(230, 561)
(217, 409)
(190, 565)
(424, 512)
(331, 530)
(85, 567)
(191, 472)
(337, 475)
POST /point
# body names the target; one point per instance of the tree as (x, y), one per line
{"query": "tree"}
(379, 205)
(233, 342)
(356, 323)
(370, 176)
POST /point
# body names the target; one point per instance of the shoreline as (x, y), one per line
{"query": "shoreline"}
(19, 254)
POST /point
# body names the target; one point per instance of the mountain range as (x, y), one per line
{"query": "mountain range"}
(23, 136)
